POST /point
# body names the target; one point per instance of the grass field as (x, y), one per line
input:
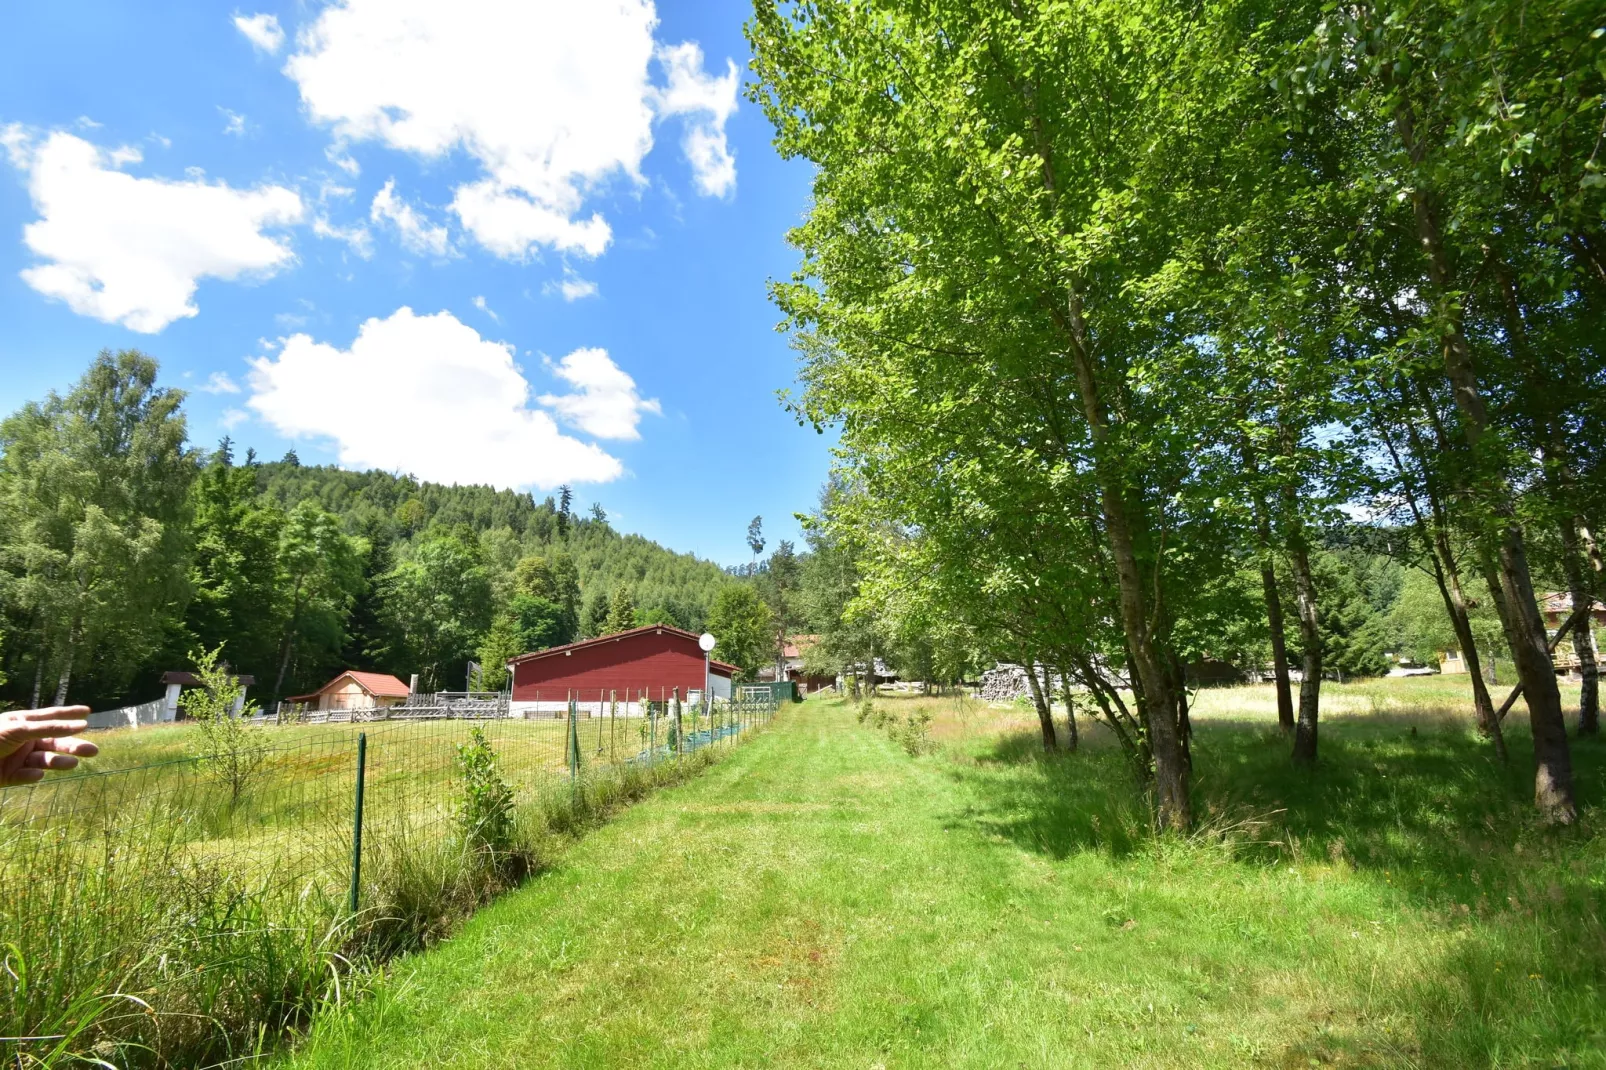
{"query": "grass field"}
(823, 899)
(151, 918)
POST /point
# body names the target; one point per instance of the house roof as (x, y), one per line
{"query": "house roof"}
(189, 679)
(377, 684)
(1557, 602)
(726, 669)
(797, 646)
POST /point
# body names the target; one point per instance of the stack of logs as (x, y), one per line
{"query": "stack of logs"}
(1006, 683)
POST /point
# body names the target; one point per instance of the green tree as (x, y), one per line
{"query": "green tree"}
(594, 617)
(742, 626)
(371, 643)
(234, 564)
(320, 572)
(621, 611)
(442, 605)
(230, 748)
(94, 486)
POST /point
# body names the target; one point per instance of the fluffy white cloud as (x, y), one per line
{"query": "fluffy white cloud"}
(480, 303)
(425, 395)
(417, 234)
(131, 250)
(707, 102)
(606, 404)
(551, 97)
(233, 122)
(262, 31)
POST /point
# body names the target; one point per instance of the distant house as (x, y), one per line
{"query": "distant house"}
(657, 662)
(793, 654)
(1557, 607)
(353, 690)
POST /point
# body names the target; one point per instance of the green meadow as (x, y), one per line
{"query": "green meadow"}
(822, 897)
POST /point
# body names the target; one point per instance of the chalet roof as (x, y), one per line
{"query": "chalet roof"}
(377, 684)
(726, 669)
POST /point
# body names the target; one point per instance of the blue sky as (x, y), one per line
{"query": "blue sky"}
(572, 200)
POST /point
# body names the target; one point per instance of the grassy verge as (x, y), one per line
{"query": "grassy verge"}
(147, 921)
(826, 899)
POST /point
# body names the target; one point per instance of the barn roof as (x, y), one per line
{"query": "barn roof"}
(378, 684)
(726, 669)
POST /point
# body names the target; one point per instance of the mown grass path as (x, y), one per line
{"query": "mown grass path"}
(821, 899)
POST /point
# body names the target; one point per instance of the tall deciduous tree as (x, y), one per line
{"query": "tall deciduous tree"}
(741, 624)
(95, 488)
(442, 605)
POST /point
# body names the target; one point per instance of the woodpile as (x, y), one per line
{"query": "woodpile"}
(1006, 683)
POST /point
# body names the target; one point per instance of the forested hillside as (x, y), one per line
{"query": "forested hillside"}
(123, 550)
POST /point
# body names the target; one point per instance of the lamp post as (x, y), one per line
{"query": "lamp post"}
(706, 641)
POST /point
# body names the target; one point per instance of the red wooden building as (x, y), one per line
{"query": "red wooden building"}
(656, 660)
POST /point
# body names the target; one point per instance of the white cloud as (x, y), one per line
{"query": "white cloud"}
(479, 303)
(356, 235)
(220, 383)
(552, 98)
(233, 122)
(607, 405)
(262, 31)
(572, 286)
(425, 395)
(233, 418)
(417, 234)
(131, 250)
(707, 102)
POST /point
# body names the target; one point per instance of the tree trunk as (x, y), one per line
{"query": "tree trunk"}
(1142, 619)
(1310, 641)
(1553, 777)
(38, 677)
(1274, 604)
(1072, 737)
(1446, 573)
(1583, 638)
(1045, 713)
(1310, 632)
(1279, 647)
(67, 665)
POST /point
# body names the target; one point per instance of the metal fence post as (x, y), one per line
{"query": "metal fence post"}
(574, 743)
(356, 824)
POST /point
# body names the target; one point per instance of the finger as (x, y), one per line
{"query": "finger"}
(82, 748)
(44, 759)
(13, 777)
(52, 713)
(21, 731)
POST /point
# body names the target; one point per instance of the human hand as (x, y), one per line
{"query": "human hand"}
(32, 741)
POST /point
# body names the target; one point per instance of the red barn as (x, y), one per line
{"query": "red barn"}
(657, 660)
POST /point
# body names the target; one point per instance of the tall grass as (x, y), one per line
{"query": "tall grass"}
(177, 929)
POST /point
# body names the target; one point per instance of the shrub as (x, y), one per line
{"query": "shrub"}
(485, 812)
(230, 748)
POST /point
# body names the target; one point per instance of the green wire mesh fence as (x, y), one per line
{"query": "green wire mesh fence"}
(114, 851)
